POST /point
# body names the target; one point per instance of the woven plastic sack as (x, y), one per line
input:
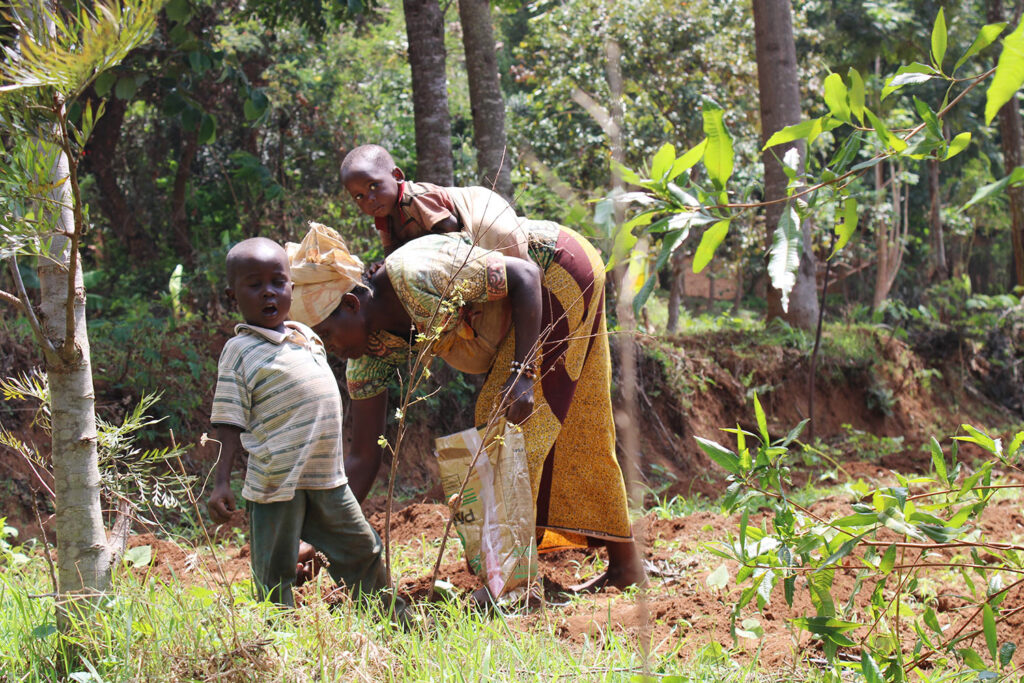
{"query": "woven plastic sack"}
(494, 517)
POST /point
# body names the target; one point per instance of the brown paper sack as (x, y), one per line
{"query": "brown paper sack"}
(495, 517)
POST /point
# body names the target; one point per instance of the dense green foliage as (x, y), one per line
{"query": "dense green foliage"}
(233, 124)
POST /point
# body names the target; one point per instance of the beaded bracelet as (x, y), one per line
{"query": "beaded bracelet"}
(528, 369)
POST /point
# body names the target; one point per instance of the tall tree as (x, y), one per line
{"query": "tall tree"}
(424, 26)
(486, 100)
(1011, 137)
(780, 107)
(54, 61)
(940, 266)
(101, 162)
(892, 225)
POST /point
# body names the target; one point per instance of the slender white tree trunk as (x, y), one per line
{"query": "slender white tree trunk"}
(58, 323)
(83, 554)
(84, 557)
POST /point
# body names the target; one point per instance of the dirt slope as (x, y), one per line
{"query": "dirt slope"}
(687, 386)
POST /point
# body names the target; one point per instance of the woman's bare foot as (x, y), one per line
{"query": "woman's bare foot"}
(625, 569)
(481, 598)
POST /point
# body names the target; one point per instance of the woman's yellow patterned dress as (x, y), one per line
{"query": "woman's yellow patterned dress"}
(570, 438)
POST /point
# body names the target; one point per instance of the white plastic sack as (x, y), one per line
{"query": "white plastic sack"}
(495, 517)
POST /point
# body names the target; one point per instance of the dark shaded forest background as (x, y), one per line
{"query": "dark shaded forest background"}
(233, 120)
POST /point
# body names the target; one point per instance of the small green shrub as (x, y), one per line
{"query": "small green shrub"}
(12, 555)
(146, 355)
(894, 537)
(862, 445)
(132, 477)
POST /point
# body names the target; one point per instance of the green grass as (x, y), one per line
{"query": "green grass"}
(723, 317)
(665, 507)
(158, 631)
(151, 629)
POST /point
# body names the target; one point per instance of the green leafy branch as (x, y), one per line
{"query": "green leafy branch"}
(674, 198)
(934, 519)
(129, 473)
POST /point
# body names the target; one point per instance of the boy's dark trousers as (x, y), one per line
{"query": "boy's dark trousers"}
(330, 520)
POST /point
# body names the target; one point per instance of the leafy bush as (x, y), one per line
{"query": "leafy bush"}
(135, 356)
(898, 538)
(11, 556)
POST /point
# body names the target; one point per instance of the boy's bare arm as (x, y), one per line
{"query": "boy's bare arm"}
(222, 500)
(444, 225)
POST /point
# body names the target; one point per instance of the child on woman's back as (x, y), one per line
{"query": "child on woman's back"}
(404, 210)
(277, 399)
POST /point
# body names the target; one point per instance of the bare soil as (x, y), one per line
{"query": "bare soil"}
(678, 613)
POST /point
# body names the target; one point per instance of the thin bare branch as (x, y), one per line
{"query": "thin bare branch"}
(46, 550)
(76, 227)
(26, 303)
(975, 488)
(119, 533)
(13, 300)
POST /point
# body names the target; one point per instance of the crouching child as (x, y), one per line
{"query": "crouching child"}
(277, 399)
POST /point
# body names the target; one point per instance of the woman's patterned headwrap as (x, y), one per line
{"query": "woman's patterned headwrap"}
(323, 271)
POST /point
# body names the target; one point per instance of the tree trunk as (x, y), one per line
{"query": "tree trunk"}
(890, 234)
(676, 289)
(179, 208)
(100, 160)
(780, 107)
(1012, 141)
(83, 556)
(424, 26)
(940, 268)
(881, 246)
(486, 101)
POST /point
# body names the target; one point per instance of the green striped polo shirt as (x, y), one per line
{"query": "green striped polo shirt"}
(279, 390)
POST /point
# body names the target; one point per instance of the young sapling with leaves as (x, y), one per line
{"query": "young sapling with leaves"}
(277, 400)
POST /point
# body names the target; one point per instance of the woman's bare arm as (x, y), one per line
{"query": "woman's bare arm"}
(524, 285)
(363, 458)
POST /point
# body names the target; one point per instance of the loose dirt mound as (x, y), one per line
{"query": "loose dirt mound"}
(680, 612)
(413, 522)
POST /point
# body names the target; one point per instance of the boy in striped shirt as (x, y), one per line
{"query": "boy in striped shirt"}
(277, 399)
